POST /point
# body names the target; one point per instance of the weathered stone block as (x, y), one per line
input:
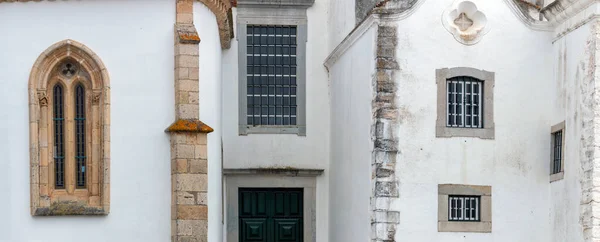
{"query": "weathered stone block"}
(184, 151)
(201, 152)
(198, 166)
(187, 198)
(202, 198)
(192, 227)
(181, 166)
(386, 189)
(191, 182)
(386, 31)
(387, 63)
(188, 85)
(384, 216)
(192, 212)
(191, 61)
(187, 49)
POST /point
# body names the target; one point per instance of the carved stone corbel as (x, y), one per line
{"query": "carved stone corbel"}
(43, 100)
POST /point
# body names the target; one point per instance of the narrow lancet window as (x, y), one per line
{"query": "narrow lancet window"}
(59, 138)
(80, 156)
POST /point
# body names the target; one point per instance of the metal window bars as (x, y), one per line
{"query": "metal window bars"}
(80, 156)
(463, 208)
(59, 138)
(271, 75)
(557, 152)
(464, 103)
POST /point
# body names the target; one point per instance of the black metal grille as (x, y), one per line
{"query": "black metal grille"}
(59, 139)
(464, 102)
(557, 152)
(463, 208)
(80, 135)
(271, 75)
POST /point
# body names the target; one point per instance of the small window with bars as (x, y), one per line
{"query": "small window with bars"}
(557, 151)
(271, 75)
(464, 208)
(464, 107)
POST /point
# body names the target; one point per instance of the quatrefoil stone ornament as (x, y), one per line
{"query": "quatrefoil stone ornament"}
(465, 21)
(68, 69)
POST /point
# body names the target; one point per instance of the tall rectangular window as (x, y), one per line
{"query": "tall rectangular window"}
(271, 75)
(59, 138)
(464, 95)
(80, 135)
(557, 138)
(463, 208)
(272, 66)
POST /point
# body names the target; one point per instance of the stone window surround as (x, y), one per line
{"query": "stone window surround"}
(488, 130)
(95, 198)
(555, 128)
(268, 13)
(482, 226)
(267, 178)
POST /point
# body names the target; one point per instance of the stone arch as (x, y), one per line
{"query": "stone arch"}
(84, 67)
(222, 11)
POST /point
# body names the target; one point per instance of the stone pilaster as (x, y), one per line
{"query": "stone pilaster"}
(189, 165)
(589, 106)
(384, 219)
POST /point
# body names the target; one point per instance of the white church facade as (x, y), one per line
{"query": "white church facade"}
(300, 120)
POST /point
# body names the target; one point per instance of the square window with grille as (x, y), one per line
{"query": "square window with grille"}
(557, 151)
(464, 208)
(464, 107)
(271, 75)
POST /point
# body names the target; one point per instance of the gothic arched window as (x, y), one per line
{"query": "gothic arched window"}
(69, 125)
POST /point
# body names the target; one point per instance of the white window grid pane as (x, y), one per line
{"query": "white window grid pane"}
(463, 208)
(464, 102)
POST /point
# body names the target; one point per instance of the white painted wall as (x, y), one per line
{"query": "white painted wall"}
(515, 164)
(136, 44)
(350, 169)
(210, 111)
(286, 150)
(342, 19)
(569, 70)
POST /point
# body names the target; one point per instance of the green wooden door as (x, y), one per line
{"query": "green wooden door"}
(271, 214)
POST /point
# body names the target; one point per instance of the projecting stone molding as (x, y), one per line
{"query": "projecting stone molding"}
(465, 22)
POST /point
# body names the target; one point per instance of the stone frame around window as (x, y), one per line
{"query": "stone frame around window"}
(488, 79)
(253, 12)
(556, 128)
(94, 199)
(270, 178)
(484, 225)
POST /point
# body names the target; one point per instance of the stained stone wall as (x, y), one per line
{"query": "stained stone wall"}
(384, 219)
(589, 106)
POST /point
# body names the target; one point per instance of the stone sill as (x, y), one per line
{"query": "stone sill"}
(469, 227)
(69, 208)
(557, 177)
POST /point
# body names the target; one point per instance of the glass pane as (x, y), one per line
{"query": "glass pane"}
(272, 67)
(59, 140)
(80, 153)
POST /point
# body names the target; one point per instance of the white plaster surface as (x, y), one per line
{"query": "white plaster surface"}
(515, 164)
(139, 59)
(350, 168)
(210, 111)
(285, 150)
(342, 19)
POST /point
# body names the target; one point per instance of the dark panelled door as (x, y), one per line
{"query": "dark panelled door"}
(271, 214)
